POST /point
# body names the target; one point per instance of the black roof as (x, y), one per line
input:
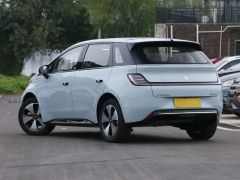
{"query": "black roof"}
(136, 40)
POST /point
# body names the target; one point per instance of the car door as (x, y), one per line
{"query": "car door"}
(55, 95)
(90, 81)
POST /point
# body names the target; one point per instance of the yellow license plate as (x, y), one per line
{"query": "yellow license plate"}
(187, 102)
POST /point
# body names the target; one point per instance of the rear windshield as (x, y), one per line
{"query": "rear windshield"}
(169, 55)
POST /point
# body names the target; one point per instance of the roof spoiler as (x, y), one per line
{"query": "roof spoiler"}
(166, 43)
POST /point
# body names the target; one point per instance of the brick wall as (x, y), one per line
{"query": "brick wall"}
(210, 42)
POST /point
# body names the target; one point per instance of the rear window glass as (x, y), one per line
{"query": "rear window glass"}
(169, 55)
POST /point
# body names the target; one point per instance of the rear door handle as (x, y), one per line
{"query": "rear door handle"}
(65, 84)
(99, 81)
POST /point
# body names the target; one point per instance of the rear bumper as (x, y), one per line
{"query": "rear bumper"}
(137, 102)
(178, 117)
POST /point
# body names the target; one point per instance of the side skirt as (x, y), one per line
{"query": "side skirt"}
(73, 122)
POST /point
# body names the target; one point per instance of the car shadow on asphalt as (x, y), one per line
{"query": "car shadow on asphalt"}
(132, 139)
(84, 135)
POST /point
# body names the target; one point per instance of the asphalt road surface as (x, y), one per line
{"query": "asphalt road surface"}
(163, 153)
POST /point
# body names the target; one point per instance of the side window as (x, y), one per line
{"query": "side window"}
(225, 67)
(98, 55)
(121, 55)
(230, 64)
(233, 63)
(52, 65)
(118, 56)
(69, 60)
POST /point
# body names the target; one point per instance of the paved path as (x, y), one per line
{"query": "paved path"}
(151, 153)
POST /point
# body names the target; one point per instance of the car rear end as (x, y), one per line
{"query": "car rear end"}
(233, 98)
(174, 84)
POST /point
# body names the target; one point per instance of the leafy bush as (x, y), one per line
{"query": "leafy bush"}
(13, 84)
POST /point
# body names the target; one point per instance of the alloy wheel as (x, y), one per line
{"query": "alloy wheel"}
(109, 120)
(31, 117)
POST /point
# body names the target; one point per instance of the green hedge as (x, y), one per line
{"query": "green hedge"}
(13, 84)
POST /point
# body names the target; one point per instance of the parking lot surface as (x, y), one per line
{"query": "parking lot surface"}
(164, 153)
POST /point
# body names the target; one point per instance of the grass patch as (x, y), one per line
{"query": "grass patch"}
(13, 84)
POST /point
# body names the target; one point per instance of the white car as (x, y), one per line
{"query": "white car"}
(228, 64)
(117, 84)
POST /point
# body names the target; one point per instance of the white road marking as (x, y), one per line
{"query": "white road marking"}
(227, 129)
(229, 122)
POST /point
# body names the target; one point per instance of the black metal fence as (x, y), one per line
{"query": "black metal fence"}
(197, 15)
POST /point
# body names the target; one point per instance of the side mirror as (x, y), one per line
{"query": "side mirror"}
(44, 71)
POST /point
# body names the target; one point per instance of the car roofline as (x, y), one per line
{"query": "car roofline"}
(131, 41)
(134, 40)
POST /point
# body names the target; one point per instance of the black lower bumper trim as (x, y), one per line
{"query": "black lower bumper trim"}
(178, 117)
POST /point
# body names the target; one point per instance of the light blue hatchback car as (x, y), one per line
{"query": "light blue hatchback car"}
(117, 84)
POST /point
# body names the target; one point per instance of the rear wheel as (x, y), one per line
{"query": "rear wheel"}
(30, 118)
(202, 131)
(112, 126)
(237, 114)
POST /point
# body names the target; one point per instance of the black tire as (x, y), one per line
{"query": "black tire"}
(202, 132)
(237, 114)
(112, 127)
(33, 126)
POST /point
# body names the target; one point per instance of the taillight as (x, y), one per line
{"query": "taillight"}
(138, 79)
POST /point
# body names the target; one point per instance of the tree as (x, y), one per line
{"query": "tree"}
(207, 3)
(28, 26)
(67, 22)
(179, 3)
(8, 63)
(197, 3)
(122, 18)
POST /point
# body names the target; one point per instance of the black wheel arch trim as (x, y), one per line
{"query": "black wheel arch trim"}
(102, 99)
(28, 95)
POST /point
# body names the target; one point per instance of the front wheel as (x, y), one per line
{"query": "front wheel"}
(112, 126)
(202, 132)
(30, 118)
